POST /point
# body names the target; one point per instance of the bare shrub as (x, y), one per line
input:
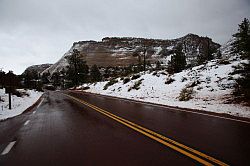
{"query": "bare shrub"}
(186, 94)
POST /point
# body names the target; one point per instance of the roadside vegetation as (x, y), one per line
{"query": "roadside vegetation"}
(110, 83)
(241, 46)
(78, 72)
(136, 85)
(186, 94)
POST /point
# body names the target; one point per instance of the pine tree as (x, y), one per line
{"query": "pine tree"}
(106, 73)
(219, 55)
(242, 43)
(178, 61)
(29, 78)
(242, 47)
(95, 74)
(2, 78)
(78, 69)
(148, 64)
(128, 70)
(56, 79)
(44, 77)
(209, 50)
(158, 65)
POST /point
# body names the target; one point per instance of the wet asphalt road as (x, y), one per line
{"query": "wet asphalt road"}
(63, 131)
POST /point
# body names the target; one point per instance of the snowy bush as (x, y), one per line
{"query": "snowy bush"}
(1, 100)
(136, 85)
(158, 75)
(199, 87)
(226, 84)
(135, 76)
(169, 80)
(193, 84)
(164, 73)
(186, 94)
(85, 88)
(208, 79)
(154, 73)
(126, 80)
(224, 62)
(111, 82)
(20, 93)
(183, 79)
(230, 78)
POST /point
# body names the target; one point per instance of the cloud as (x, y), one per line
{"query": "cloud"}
(33, 32)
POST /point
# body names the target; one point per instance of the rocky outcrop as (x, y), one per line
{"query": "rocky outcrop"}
(37, 68)
(115, 51)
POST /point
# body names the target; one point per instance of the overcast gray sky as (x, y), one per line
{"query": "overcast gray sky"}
(35, 32)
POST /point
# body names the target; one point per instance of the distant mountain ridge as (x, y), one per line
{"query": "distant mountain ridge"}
(123, 51)
(37, 68)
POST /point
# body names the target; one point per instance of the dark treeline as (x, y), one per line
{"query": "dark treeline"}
(28, 80)
(9, 79)
(241, 46)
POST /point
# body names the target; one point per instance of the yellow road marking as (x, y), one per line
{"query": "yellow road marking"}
(167, 139)
(152, 134)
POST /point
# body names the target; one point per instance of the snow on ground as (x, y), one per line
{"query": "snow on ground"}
(212, 92)
(19, 104)
(157, 51)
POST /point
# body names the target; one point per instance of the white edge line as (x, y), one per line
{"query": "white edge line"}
(27, 122)
(151, 104)
(40, 103)
(200, 113)
(8, 148)
(34, 112)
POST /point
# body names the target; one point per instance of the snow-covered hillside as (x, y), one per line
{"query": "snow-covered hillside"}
(19, 104)
(212, 85)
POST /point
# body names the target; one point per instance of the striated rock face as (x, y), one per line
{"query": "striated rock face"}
(37, 68)
(114, 51)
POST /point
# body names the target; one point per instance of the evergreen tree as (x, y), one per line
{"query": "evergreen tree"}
(209, 50)
(200, 59)
(128, 70)
(106, 73)
(178, 61)
(219, 55)
(158, 65)
(95, 74)
(2, 78)
(206, 51)
(30, 77)
(77, 70)
(11, 80)
(62, 78)
(242, 47)
(141, 54)
(56, 79)
(44, 77)
(242, 43)
(148, 64)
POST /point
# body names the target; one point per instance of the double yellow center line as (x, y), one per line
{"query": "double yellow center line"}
(185, 150)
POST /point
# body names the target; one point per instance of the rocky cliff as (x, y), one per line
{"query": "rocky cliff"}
(115, 51)
(37, 68)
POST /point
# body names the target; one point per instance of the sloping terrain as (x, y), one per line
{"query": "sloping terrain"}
(125, 51)
(206, 87)
(37, 68)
